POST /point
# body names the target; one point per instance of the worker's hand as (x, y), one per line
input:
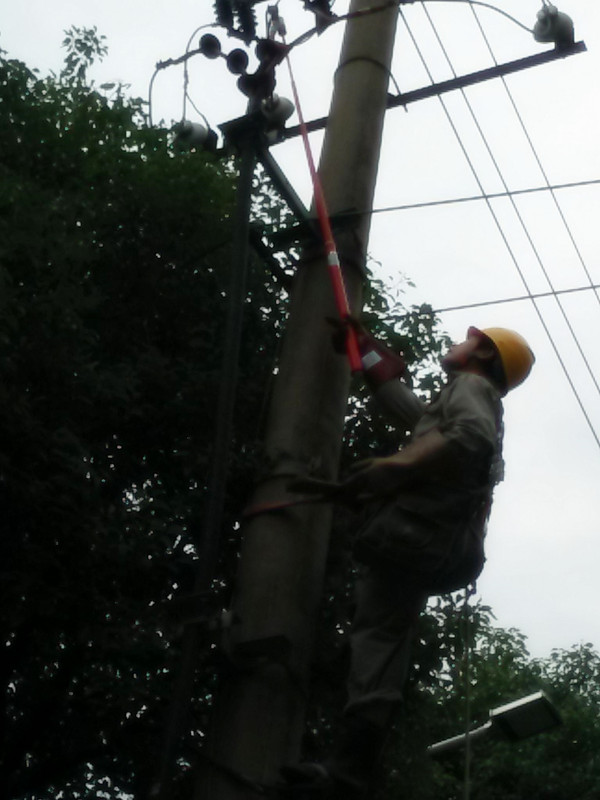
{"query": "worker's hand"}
(340, 327)
(369, 479)
(375, 477)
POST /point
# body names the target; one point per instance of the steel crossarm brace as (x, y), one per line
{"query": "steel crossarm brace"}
(461, 82)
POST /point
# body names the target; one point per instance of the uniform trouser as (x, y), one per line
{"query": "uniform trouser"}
(387, 611)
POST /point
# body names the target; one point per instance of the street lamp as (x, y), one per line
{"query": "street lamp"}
(517, 720)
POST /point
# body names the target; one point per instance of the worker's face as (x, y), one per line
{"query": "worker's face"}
(461, 355)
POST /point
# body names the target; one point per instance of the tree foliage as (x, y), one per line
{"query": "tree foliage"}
(114, 261)
(467, 666)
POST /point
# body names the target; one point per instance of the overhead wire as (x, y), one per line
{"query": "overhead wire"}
(499, 301)
(332, 19)
(515, 208)
(485, 5)
(472, 198)
(504, 238)
(535, 154)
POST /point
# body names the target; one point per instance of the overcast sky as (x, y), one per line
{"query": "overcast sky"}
(544, 542)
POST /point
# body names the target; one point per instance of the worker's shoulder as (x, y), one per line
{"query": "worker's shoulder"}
(469, 384)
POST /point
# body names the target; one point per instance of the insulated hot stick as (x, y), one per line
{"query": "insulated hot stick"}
(333, 261)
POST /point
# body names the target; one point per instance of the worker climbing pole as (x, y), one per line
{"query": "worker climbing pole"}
(257, 722)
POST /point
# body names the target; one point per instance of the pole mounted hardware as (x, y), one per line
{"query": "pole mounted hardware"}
(257, 85)
(210, 46)
(260, 84)
(461, 82)
(194, 136)
(228, 12)
(554, 26)
(322, 11)
(276, 111)
(237, 61)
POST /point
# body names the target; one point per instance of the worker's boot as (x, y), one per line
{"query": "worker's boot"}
(348, 773)
(352, 766)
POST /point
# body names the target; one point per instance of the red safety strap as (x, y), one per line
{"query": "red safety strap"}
(333, 261)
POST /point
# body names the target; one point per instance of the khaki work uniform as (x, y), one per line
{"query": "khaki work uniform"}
(426, 539)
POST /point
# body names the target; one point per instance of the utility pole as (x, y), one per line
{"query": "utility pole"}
(258, 717)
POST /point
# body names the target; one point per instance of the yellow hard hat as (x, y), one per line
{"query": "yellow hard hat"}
(515, 354)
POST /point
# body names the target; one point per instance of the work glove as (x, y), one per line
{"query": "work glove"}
(379, 363)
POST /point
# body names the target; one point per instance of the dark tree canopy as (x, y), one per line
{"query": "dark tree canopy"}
(114, 261)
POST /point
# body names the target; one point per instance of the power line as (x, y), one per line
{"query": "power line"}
(485, 5)
(332, 19)
(536, 156)
(522, 297)
(514, 206)
(504, 239)
(473, 198)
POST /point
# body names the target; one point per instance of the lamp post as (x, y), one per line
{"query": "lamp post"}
(520, 719)
(514, 721)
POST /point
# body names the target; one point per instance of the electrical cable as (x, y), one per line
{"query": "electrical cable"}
(471, 198)
(197, 110)
(485, 5)
(515, 208)
(169, 62)
(377, 63)
(523, 297)
(505, 240)
(383, 6)
(186, 76)
(535, 155)
(150, 88)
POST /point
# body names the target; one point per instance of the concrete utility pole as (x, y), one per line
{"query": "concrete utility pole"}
(258, 717)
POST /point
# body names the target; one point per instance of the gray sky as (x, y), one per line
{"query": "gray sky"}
(544, 542)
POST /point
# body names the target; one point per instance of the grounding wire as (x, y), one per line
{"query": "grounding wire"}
(505, 240)
(515, 207)
(536, 156)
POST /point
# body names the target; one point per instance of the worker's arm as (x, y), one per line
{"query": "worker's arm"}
(432, 453)
(384, 372)
(399, 403)
(453, 442)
